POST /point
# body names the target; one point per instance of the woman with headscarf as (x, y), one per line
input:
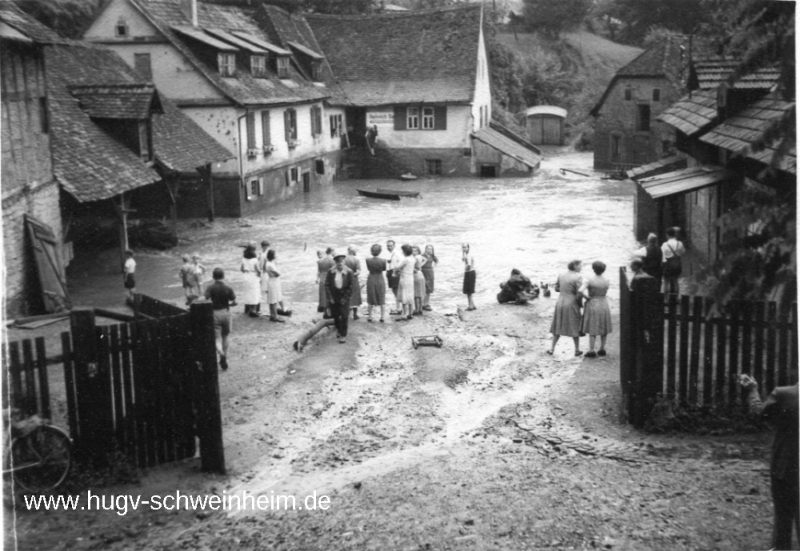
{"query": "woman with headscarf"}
(405, 287)
(567, 317)
(376, 283)
(354, 264)
(468, 287)
(251, 295)
(419, 280)
(427, 271)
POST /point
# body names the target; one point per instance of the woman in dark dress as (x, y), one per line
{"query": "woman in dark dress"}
(324, 265)
(567, 317)
(427, 271)
(376, 284)
(354, 264)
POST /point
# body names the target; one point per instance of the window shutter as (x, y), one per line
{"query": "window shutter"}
(440, 117)
(292, 124)
(287, 125)
(251, 130)
(399, 118)
(261, 185)
(265, 128)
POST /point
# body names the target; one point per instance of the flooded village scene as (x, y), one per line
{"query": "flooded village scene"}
(401, 275)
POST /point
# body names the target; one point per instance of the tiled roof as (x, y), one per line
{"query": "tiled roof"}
(11, 15)
(693, 112)
(129, 101)
(712, 71)
(738, 132)
(180, 144)
(661, 166)
(403, 57)
(243, 88)
(507, 146)
(666, 59)
(685, 180)
(88, 162)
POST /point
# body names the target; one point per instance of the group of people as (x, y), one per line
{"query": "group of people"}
(409, 273)
(663, 262)
(262, 277)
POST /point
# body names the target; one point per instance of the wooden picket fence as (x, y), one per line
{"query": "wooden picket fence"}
(145, 388)
(681, 348)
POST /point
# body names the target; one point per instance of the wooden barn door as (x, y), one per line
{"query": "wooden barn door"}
(48, 265)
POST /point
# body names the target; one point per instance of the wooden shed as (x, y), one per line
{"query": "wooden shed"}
(546, 124)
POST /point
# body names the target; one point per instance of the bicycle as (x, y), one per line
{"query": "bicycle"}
(37, 455)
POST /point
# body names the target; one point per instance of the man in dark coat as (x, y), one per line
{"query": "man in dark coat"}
(781, 408)
(338, 289)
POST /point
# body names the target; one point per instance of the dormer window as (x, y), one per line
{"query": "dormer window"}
(258, 65)
(316, 71)
(121, 28)
(227, 64)
(283, 67)
(628, 94)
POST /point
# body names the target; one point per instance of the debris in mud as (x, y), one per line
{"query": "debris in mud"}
(431, 340)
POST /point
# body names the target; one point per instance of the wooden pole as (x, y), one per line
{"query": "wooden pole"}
(206, 395)
(210, 180)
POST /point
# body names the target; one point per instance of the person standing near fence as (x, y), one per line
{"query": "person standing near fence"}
(652, 258)
(596, 313)
(672, 251)
(222, 298)
(781, 408)
(128, 278)
(338, 287)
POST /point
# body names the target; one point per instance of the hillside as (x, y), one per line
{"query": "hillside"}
(572, 72)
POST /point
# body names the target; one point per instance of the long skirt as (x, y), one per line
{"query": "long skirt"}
(597, 317)
(323, 298)
(274, 291)
(419, 285)
(469, 283)
(251, 293)
(428, 280)
(405, 289)
(355, 298)
(567, 317)
(376, 290)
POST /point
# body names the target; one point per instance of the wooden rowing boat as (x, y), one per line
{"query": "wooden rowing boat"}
(379, 195)
(400, 193)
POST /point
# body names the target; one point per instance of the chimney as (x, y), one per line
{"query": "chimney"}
(189, 9)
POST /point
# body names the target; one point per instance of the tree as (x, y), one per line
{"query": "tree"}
(66, 17)
(638, 17)
(554, 17)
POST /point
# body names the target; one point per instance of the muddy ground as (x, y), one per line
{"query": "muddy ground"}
(486, 443)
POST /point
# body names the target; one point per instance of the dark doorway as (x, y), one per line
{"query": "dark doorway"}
(306, 182)
(356, 122)
(488, 171)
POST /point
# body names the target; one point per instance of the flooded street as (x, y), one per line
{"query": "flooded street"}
(536, 224)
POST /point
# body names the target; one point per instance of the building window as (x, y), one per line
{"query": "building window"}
(227, 64)
(121, 28)
(628, 94)
(316, 71)
(412, 118)
(433, 167)
(266, 138)
(251, 130)
(427, 118)
(44, 118)
(145, 143)
(290, 126)
(616, 142)
(283, 67)
(320, 165)
(253, 189)
(316, 120)
(643, 122)
(258, 65)
(336, 126)
(291, 176)
(656, 94)
(141, 62)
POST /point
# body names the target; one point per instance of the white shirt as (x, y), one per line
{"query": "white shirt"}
(675, 245)
(469, 262)
(130, 266)
(394, 260)
(338, 279)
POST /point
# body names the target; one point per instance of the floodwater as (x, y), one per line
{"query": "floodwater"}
(536, 224)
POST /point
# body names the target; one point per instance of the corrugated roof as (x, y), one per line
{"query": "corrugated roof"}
(401, 57)
(693, 112)
(125, 101)
(713, 71)
(738, 132)
(686, 180)
(26, 25)
(664, 165)
(507, 146)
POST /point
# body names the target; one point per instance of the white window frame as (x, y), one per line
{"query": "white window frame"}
(258, 65)
(283, 66)
(226, 63)
(412, 118)
(252, 189)
(428, 122)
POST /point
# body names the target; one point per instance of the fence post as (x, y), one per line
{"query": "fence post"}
(648, 356)
(206, 396)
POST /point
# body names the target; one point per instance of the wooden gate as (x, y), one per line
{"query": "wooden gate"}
(146, 388)
(682, 349)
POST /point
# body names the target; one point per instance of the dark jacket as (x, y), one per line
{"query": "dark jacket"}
(340, 296)
(781, 408)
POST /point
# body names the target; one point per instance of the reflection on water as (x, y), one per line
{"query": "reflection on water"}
(535, 224)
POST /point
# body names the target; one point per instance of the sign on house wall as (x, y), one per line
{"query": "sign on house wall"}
(380, 117)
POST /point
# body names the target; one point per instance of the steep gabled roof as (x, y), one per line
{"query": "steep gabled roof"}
(739, 132)
(709, 72)
(244, 88)
(88, 162)
(667, 59)
(403, 57)
(692, 113)
(26, 25)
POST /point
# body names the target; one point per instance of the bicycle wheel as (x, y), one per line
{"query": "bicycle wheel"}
(41, 460)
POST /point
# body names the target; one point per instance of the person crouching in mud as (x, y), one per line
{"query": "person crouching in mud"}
(518, 289)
